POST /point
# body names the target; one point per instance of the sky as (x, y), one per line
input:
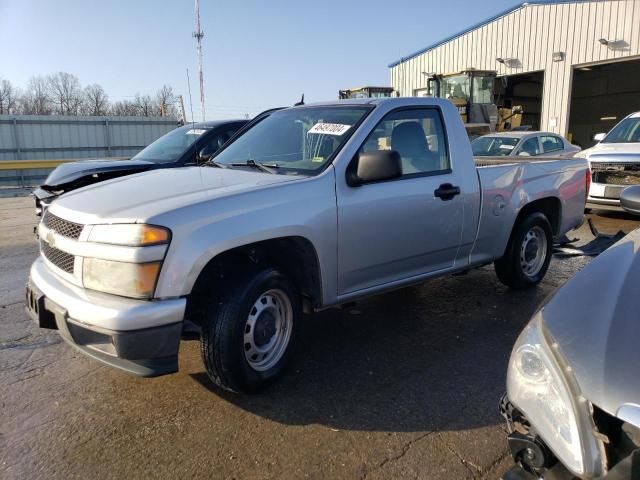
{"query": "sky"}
(257, 54)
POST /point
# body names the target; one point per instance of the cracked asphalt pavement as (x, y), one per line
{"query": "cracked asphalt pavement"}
(404, 385)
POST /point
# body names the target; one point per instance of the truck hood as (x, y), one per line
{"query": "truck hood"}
(613, 152)
(67, 174)
(594, 319)
(144, 195)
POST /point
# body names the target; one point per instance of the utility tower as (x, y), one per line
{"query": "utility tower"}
(198, 34)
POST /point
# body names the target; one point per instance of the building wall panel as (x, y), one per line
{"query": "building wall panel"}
(530, 34)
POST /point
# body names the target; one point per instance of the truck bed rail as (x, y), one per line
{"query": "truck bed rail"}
(490, 161)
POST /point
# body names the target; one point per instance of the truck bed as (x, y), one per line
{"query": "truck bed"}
(506, 184)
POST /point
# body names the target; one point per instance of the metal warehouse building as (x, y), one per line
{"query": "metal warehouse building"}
(574, 66)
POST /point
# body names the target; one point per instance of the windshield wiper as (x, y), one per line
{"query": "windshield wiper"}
(268, 168)
(213, 163)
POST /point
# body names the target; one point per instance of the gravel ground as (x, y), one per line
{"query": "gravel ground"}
(404, 385)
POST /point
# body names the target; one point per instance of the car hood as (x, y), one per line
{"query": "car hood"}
(144, 195)
(613, 152)
(594, 319)
(69, 173)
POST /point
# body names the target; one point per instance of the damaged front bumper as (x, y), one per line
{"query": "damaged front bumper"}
(43, 199)
(609, 179)
(534, 460)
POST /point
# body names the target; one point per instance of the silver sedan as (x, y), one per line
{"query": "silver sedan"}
(523, 144)
(573, 395)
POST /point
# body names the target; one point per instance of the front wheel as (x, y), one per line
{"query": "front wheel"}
(248, 332)
(528, 253)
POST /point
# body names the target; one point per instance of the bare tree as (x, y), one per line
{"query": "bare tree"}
(166, 100)
(124, 109)
(146, 106)
(36, 100)
(96, 101)
(8, 97)
(65, 92)
(62, 94)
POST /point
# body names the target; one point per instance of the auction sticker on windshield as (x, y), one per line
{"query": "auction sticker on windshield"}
(196, 131)
(329, 128)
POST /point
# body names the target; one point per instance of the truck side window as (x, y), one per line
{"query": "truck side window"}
(551, 144)
(531, 147)
(417, 135)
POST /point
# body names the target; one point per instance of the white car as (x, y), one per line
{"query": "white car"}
(614, 162)
(524, 144)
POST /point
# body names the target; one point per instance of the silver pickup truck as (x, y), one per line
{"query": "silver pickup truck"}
(314, 206)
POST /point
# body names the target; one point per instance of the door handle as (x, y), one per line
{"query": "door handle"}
(446, 191)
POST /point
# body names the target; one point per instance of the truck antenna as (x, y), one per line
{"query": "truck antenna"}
(301, 102)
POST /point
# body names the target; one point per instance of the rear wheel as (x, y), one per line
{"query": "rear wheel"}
(249, 330)
(528, 253)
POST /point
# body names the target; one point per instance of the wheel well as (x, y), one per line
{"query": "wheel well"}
(549, 206)
(295, 257)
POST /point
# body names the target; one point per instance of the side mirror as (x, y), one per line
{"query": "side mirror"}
(598, 137)
(630, 199)
(524, 154)
(375, 166)
(206, 153)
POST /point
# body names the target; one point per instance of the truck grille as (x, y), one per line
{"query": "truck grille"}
(613, 173)
(61, 226)
(60, 259)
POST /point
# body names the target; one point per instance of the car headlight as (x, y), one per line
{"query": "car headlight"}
(136, 280)
(540, 386)
(133, 234)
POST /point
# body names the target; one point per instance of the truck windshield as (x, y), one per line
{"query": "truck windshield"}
(170, 147)
(493, 146)
(299, 140)
(627, 131)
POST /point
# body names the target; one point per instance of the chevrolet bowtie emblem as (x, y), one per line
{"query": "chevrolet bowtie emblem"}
(50, 239)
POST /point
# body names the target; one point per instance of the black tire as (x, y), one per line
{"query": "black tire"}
(510, 269)
(587, 210)
(223, 335)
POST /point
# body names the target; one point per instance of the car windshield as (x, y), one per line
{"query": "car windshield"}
(627, 131)
(493, 146)
(170, 147)
(299, 140)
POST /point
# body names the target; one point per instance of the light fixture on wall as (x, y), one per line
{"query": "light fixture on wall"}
(557, 56)
(614, 44)
(509, 62)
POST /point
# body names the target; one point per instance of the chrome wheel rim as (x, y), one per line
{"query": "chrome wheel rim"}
(268, 329)
(533, 252)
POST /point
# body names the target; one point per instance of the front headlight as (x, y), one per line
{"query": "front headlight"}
(132, 234)
(126, 278)
(136, 280)
(544, 390)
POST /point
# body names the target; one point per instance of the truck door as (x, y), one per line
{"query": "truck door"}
(393, 230)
